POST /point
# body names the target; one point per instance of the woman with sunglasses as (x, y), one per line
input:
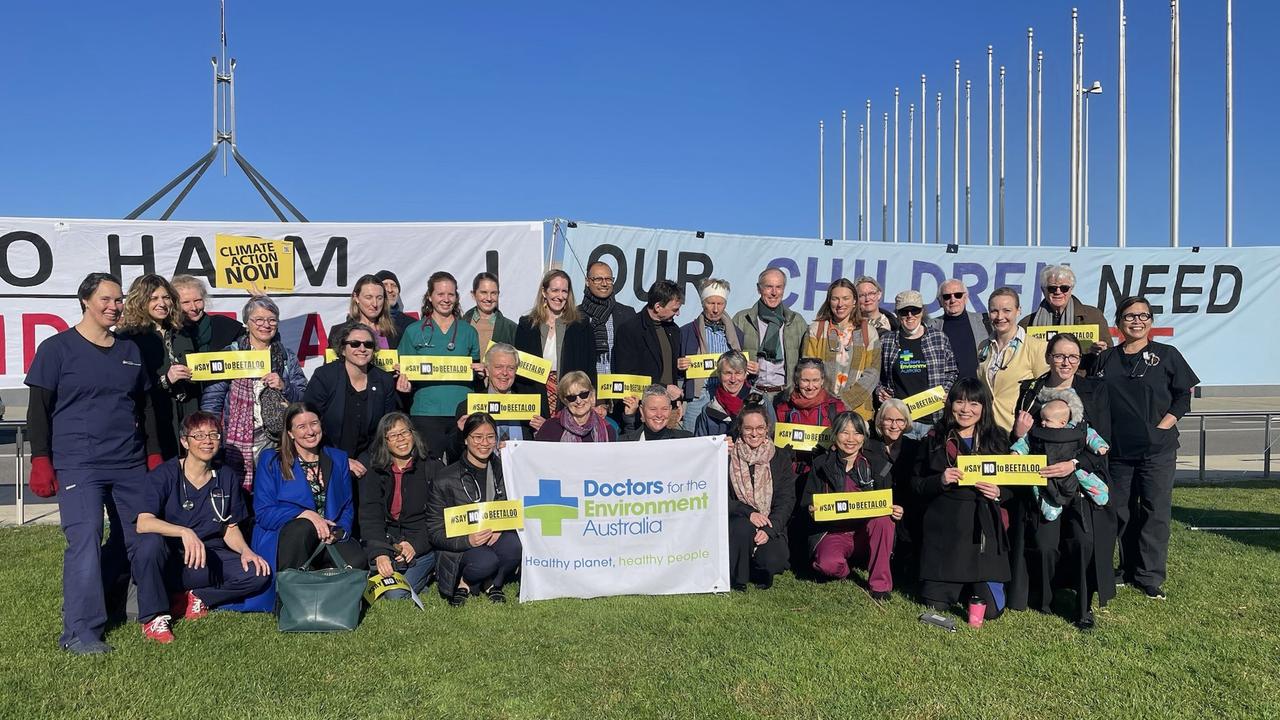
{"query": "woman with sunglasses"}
(1008, 357)
(1149, 386)
(1061, 307)
(441, 331)
(486, 559)
(191, 555)
(964, 549)
(352, 393)
(1083, 536)
(250, 408)
(914, 358)
(841, 338)
(393, 506)
(577, 419)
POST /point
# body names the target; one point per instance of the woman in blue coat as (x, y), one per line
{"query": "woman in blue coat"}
(302, 498)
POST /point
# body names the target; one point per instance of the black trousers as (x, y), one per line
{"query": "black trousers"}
(438, 434)
(494, 563)
(1142, 495)
(298, 540)
(942, 596)
(748, 561)
(1063, 548)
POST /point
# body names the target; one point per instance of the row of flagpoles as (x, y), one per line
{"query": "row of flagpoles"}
(917, 225)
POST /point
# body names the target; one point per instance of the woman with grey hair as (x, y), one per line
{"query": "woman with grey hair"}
(252, 409)
(890, 426)
(731, 393)
(1061, 307)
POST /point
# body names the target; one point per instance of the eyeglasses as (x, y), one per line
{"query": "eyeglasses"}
(952, 296)
(869, 295)
(574, 397)
(202, 436)
(1057, 289)
(903, 312)
(361, 344)
(601, 280)
(1140, 317)
(756, 430)
(1065, 358)
(483, 439)
(400, 435)
(265, 322)
(894, 421)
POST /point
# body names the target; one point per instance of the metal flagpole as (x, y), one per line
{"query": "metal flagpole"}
(884, 179)
(895, 164)
(1230, 220)
(1002, 155)
(937, 172)
(1030, 47)
(867, 187)
(1075, 118)
(1079, 100)
(1122, 122)
(822, 201)
(968, 158)
(955, 162)
(844, 175)
(911, 168)
(924, 160)
(861, 210)
(1039, 143)
(1175, 121)
(990, 165)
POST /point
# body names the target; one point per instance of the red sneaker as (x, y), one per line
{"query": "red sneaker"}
(158, 630)
(193, 608)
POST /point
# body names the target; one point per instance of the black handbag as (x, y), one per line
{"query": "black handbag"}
(321, 600)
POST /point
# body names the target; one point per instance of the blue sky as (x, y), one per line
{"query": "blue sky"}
(681, 115)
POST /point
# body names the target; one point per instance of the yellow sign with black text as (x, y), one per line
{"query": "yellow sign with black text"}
(530, 366)
(509, 406)
(384, 358)
(801, 437)
(612, 386)
(255, 264)
(436, 368)
(926, 403)
(1086, 333)
(852, 505)
(704, 365)
(1002, 469)
(229, 364)
(495, 515)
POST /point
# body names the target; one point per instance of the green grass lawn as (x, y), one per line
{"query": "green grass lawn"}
(797, 651)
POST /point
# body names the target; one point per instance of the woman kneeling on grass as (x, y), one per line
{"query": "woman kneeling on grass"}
(763, 486)
(484, 560)
(190, 554)
(964, 552)
(854, 465)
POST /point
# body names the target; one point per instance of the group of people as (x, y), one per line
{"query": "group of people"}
(211, 488)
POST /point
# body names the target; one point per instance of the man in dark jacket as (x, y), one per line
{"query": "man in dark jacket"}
(656, 408)
(649, 343)
(604, 312)
(964, 329)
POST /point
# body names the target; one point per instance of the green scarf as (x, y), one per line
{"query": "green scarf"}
(771, 343)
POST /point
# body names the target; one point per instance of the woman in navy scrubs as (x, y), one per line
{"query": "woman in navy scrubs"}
(86, 415)
(190, 554)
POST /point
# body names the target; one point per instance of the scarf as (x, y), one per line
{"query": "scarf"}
(731, 340)
(731, 403)
(239, 409)
(771, 343)
(594, 430)
(755, 489)
(1046, 315)
(599, 311)
(800, 403)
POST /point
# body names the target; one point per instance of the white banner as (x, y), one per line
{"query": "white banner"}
(621, 518)
(1216, 304)
(42, 262)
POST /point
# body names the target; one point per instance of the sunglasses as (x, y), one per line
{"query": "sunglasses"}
(952, 296)
(1064, 289)
(573, 397)
(903, 312)
(369, 344)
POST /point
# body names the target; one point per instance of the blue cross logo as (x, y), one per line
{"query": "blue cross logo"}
(549, 507)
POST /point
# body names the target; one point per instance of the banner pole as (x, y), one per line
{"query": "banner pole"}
(955, 161)
(990, 166)
(924, 161)
(911, 167)
(895, 163)
(822, 230)
(1039, 143)
(1030, 47)
(1002, 214)
(1122, 122)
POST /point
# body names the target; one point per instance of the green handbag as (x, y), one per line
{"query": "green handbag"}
(321, 600)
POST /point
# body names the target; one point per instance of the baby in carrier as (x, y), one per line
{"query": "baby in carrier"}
(1060, 439)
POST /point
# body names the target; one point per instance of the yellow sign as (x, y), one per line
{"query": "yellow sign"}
(255, 264)
(852, 505)
(530, 366)
(704, 365)
(229, 364)
(926, 403)
(1087, 333)
(801, 437)
(508, 406)
(495, 515)
(1002, 469)
(616, 387)
(436, 368)
(384, 358)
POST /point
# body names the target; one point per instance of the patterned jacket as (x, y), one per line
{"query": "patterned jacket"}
(938, 358)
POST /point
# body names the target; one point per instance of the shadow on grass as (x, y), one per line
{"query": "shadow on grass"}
(1205, 518)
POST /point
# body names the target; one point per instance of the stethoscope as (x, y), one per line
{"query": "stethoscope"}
(453, 334)
(467, 474)
(218, 499)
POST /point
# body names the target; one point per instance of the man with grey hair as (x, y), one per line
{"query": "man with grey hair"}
(772, 333)
(500, 364)
(1061, 307)
(965, 329)
(656, 407)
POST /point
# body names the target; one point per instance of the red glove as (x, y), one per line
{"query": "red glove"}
(43, 481)
(153, 461)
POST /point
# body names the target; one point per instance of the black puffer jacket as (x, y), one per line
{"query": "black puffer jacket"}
(458, 484)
